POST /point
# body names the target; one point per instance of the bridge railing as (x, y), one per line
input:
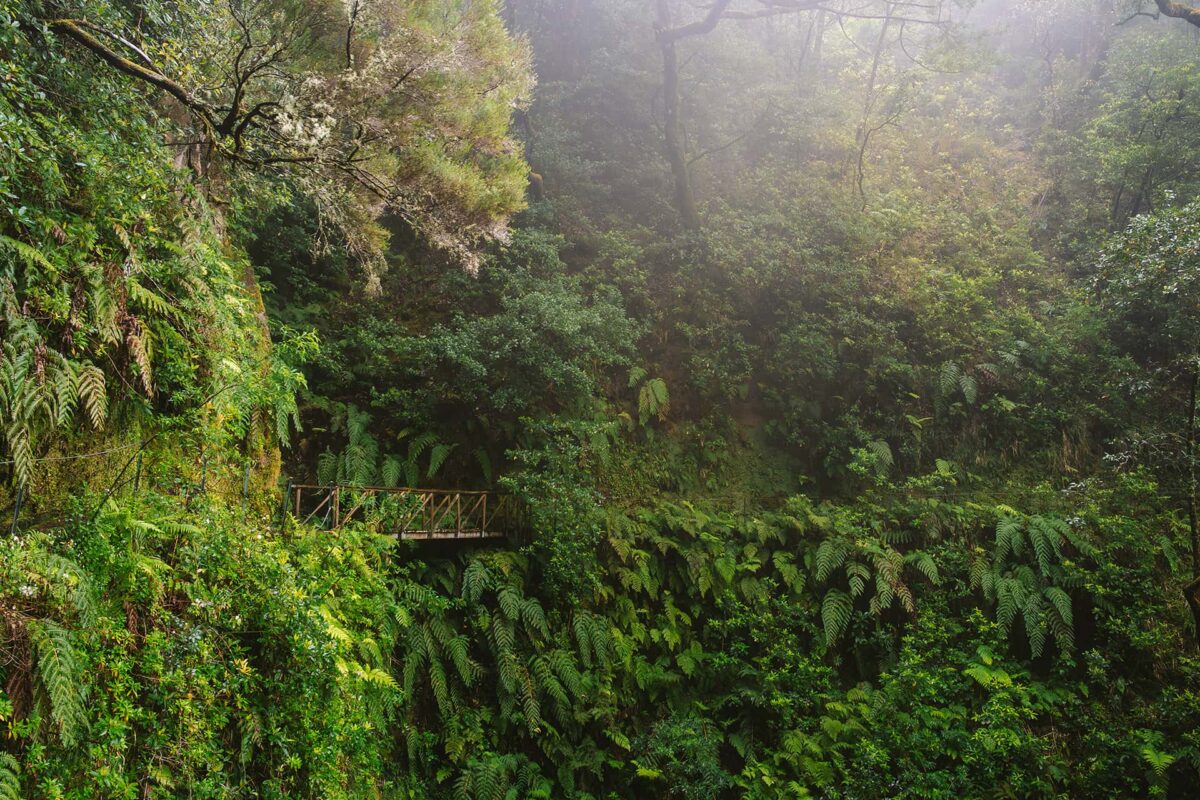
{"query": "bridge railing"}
(410, 513)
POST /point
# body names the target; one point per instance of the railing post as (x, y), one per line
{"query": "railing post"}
(283, 507)
(337, 506)
(298, 502)
(458, 515)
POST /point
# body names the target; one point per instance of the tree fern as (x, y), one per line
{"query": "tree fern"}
(653, 400)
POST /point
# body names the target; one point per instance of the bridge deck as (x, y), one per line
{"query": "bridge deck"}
(406, 513)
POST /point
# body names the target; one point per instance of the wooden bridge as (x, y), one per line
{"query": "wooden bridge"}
(423, 514)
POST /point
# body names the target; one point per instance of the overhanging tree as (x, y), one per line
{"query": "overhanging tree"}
(370, 107)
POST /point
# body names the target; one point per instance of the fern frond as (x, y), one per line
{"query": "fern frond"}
(30, 255)
(149, 301)
(925, 564)
(1008, 536)
(60, 674)
(10, 778)
(437, 457)
(831, 554)
(836, 609)
(509, 600)
(968, 387)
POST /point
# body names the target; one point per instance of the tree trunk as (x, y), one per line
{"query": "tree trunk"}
(863, 134)
(1191, 591)
(685, 201)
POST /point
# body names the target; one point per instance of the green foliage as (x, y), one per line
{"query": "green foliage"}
(248, 646)
(58, 671)
(1029, 575)
(10, 778)
(874, 484)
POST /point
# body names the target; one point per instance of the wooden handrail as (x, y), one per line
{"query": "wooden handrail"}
(437, 514)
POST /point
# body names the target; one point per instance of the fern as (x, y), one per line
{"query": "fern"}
(437, 457)
(29, 255)
(1159, 762)
(149, 301)
(831, 554)
(883, 455)
(948, 379)
(475, 581)
(10, 778)
(327, 467)
(968, 387)
(60, 675)
(392, 471)
(1008, 536)
(92, 392)
(416, 448)
(533, 617)
(836, 609)
(140, 343)
(924, 564)
(509, 600)
(653, 400)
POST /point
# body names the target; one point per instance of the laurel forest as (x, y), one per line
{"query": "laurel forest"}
(599, 399)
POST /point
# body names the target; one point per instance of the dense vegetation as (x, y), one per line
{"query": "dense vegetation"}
(843, 357)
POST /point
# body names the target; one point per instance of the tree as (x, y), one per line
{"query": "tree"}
(669, 33)
(1182, 11)
(1149, 280)
(369, 107)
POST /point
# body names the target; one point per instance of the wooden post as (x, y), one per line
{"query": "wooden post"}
(457, 515)
(283, 507)
(337, 506)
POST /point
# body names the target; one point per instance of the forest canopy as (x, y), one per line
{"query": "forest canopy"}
(598, 399)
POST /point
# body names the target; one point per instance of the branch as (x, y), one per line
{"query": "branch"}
(1180, 11)
(710, 151)
(775, 8)
(1137, 14)
(75, 30)
(668, 35)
